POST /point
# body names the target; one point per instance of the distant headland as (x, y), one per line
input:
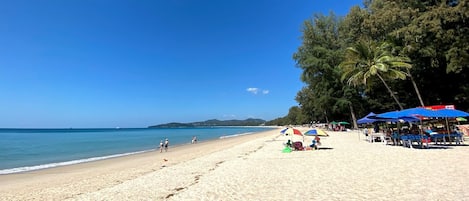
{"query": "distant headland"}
(213, 122)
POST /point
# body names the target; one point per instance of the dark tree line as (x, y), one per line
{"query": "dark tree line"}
(386, 55)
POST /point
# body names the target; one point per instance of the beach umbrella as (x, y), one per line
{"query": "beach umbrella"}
(292, 131)
(314, 132)
(334, 123)
(461, 119)
(283, 131)
(343, 123)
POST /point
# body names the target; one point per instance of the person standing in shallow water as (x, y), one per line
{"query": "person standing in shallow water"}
(166, 144)
(194, 140)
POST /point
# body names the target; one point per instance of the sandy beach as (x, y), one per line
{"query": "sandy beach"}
(253, 167)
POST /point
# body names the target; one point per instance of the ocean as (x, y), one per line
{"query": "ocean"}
(32, 149)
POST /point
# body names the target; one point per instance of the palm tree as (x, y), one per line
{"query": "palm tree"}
(417, 91)
(365, 60)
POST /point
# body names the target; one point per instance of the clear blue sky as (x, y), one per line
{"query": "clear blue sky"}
(115, 63)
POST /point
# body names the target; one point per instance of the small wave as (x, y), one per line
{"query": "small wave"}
(51, 165)
(235, 135)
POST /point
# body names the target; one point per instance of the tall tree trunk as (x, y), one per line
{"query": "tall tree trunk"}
(354, 119)
(416, 88)
(325, 115)
(390, 91)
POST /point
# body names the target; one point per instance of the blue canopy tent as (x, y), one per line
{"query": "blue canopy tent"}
(411, 112)
(451, 113)
(418, 111)
(422, 112)
(388, 117)
(366, 120)
(407, 115)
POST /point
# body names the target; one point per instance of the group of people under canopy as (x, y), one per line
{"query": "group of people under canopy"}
(418, 121)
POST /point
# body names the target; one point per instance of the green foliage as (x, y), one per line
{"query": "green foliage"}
(369, 59)
(366, 60)
(294, 117)
(213, 122)
(318, 56)
(424, 40)
(435, 36)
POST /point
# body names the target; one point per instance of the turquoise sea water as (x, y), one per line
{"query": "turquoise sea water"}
(31, 149)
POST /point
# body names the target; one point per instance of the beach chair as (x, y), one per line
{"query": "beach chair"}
(396, 138)
(425, 141)
(298, 146)
(406, 141)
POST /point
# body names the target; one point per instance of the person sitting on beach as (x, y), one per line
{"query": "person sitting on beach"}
(318, 140)
(289, 143)
(315, 143)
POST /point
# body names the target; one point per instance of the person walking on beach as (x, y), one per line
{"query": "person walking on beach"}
(161, 146)
(166, 144)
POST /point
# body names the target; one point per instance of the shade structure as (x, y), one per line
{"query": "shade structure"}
(410, 112)
(388, 115)
(418, 112)
(422, 112)
(450, 113)
(293, 131)
(316, 131)
(406, 119)
(366, 120)
(461, 119)
(283, 131)
(343, 123)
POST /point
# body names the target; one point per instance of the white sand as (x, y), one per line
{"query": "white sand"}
(254, 168)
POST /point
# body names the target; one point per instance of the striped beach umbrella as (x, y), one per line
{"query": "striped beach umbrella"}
(293, 131)
(314, 132)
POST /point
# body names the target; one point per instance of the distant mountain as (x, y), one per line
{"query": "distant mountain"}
(213, 122)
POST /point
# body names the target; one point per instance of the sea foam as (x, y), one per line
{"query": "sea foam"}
(52, 165)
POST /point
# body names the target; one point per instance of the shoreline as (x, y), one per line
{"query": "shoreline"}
(253, 167)
(116, 168)
(22, 169)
